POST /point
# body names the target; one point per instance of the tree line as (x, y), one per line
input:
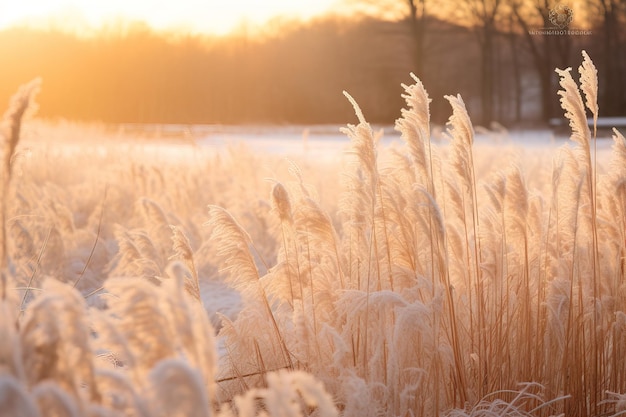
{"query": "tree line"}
(485, 50)
(534, 36)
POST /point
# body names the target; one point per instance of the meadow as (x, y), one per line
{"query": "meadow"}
(421, 278)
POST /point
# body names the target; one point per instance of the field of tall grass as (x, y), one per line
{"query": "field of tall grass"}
(420, 279)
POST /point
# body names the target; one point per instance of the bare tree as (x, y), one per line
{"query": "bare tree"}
(483, 14)
(418, 29)
(512, 38)
(547, 52)
(613, 19)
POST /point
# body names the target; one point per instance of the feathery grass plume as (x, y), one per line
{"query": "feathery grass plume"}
(281, 203)
(619, 152)
(236, 260)
(94, 256)
(572, 103)
(136, 256)
(181, 327)
(461, 132)
(614, 196)
(146, 247)
(179, 270)
(404, 216)
(52, 255)
(356, 226)
(54, 336)
(612, 234)
(306, 190)
(359, 397)
(251, 336)
(178, 390)
(134, 311)
(120, 394)
(246, 404)
(461, 128)
(15, 400)
(62, 217)
(415, 242)
(288, 394)
(303, 337)
(494, 214)
(368, 312)
(550, 240)
(184, 253)
(414, 126)
(516, 204)
(10, 347)
(360, 201)
(558, 306)
(568, 185)
(288, 252)
(617, 389)
(567, 363)
(319, 273)
(519, 314)
(21, 103)
(316, 231)
(54, 401)
(236, 376)
(369, 256)
(589, 86)
(233, 252)
(192, 330)
(363, 143)
(157, 226)
(363, 205)
(438, 223)
(419, 371)
(284, 388)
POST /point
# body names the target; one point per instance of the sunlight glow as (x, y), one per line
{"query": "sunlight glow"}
(202, 16)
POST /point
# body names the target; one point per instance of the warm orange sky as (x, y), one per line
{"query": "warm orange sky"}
(204, 16)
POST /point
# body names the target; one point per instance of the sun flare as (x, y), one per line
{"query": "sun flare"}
(213, 16)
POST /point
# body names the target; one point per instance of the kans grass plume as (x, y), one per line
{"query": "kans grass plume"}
(22, 104)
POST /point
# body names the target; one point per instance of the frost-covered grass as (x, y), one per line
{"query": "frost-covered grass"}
(417, 278)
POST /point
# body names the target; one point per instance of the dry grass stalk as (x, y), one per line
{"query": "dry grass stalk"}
(21, 104)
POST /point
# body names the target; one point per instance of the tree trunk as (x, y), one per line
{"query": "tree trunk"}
(487, 76)
(517, 78)
(544, 55)
(418, 24)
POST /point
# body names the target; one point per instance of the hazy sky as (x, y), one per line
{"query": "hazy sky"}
(209, 16)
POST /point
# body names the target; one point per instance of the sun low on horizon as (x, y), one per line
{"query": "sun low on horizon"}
(217, 17)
